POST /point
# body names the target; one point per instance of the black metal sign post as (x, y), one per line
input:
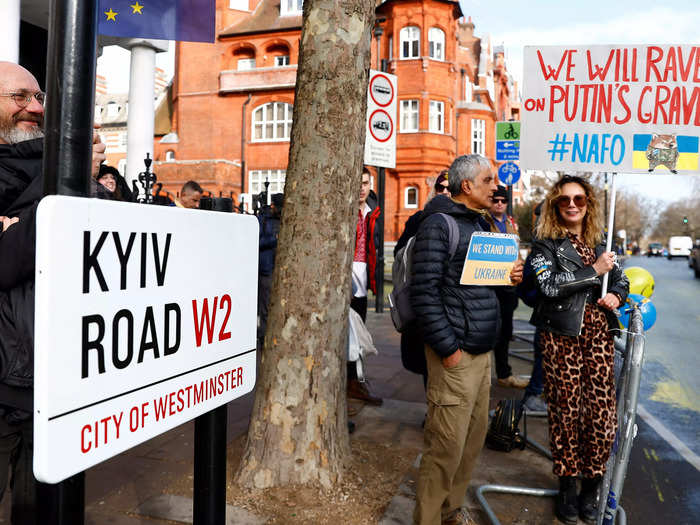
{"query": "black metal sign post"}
(70, 87)
(209, 507)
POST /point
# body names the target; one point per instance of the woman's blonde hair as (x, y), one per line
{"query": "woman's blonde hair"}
(550, 225)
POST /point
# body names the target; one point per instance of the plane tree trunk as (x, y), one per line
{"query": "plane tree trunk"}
(298, 429)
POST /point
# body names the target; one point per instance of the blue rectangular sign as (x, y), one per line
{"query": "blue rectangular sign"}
(507, 150)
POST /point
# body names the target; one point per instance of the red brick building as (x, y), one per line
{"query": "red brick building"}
(231, 102)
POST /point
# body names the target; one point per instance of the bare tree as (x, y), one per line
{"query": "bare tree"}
(298, 429)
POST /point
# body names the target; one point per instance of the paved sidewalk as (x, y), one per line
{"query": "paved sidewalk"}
(129, 489)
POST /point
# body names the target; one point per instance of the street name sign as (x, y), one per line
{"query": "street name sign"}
(509, 173)
(507, 140)
(145, 318)
(618, 108)
(380, 136)
(490, 259)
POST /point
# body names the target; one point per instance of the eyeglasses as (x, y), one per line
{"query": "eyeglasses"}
(580, 201)
(439, 188)
(499, 201)
(24, 99)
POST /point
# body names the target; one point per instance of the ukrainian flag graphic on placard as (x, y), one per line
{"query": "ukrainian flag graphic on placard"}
(686, 159)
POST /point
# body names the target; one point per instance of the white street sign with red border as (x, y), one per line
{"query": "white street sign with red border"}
(145, 318)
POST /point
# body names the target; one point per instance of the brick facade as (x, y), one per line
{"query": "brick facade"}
(221, 91)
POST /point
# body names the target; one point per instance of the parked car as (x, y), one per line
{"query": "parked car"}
(655, 249)
(679, 246)
(694, 259)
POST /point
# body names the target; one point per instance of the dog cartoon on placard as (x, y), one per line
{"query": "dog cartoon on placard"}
(662, 150)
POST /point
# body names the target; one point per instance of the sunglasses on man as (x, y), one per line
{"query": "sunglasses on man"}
(499, 200)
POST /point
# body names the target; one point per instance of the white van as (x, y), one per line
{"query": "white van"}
(679, 246)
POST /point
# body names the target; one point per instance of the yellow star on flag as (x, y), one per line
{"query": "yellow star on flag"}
(111, 15)
(136, 8)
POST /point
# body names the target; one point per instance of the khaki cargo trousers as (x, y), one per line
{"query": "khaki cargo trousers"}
(455, 429)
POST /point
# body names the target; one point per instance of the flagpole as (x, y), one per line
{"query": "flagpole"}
(611, 226)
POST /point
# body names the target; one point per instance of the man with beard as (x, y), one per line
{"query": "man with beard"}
(21, 188)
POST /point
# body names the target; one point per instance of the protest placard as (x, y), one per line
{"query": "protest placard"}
(633, 109)
(490, 259)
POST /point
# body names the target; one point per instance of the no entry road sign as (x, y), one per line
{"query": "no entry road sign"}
(145, 319)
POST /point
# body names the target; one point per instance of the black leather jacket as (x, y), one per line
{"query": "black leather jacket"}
(565, 284)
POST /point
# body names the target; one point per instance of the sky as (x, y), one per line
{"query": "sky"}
(516, 23)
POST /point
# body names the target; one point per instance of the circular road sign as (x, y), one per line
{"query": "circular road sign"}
(509, 173)
(381, 90)
(380, 125)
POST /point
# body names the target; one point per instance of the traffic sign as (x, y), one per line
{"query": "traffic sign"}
(380, 136)
(509, 173)
(508, 130)
(140, 324)
(507, 150)
(507, 140)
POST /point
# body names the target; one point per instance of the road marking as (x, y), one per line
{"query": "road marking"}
(680, 447)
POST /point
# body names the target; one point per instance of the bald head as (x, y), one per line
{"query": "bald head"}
(18, 123)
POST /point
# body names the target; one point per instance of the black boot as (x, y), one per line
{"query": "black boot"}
(587, 500)
(566, 507)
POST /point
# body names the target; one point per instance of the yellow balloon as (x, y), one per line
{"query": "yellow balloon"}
(641, 281)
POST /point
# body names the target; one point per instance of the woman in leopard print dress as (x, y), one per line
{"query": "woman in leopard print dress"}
(568, 262)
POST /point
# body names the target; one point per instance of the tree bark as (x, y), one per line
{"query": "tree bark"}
(298, 430)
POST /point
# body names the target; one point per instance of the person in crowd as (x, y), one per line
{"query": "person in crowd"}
(269, 220)
(21, 189)
(412, 344)
(569, 262)
(190, 195)
(111, 179)
(364, 275)
(460, 326)
(507, 298)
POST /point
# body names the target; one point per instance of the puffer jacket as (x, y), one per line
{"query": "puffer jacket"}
(565, 285)
(452, 316)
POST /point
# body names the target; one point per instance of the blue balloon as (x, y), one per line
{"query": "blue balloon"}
(646, 308)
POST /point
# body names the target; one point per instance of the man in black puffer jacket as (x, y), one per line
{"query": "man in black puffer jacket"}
(460, 325)
(21, 188)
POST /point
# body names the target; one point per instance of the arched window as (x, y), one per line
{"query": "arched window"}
(272, 122)
(411, 197)
(410, 42)
(169, 155)
(291, 7)
(436, 41)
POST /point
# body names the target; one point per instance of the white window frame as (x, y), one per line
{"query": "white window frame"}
(406, 202)
(121, 166)
(113, 110)
(256, 181)
(436, 120)
(291, 7)
(281, 60)
(391, 47)
(271, 120)
(169, 156)
(239, 5)
(468, 89)
(410, 109)
(478, 136)
(245, 64)
(436, 43)
(409, 37)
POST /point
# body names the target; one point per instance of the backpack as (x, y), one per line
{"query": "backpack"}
(400, 297)
(504, 434)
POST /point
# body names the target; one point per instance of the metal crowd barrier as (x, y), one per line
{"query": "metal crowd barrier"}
(629, 359)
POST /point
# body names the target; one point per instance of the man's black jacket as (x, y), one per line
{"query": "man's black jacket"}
(20, 191)
(453, 316)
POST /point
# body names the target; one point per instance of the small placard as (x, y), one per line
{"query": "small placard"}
(490, 259)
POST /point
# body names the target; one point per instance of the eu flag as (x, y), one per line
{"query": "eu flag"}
(184, 20)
